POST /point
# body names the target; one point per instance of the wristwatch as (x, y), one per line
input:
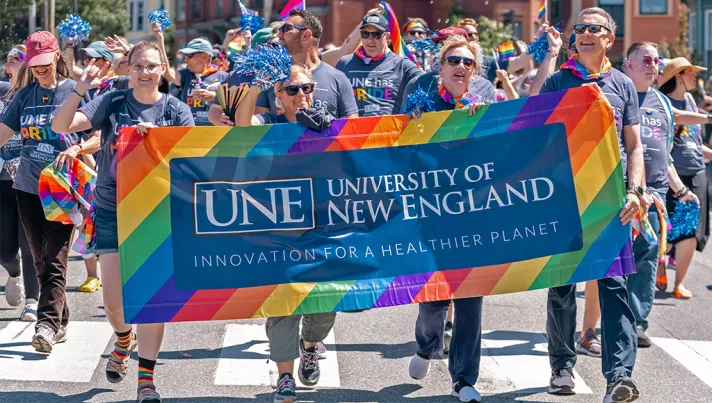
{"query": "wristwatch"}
(81, 148)
(638, 191)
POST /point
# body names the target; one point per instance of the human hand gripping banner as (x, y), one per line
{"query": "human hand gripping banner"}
(228, 223)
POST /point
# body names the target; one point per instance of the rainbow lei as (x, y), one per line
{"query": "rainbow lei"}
(460, 102)
(582, 72)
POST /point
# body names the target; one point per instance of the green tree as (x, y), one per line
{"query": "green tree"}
(107, 17)
(492, 34)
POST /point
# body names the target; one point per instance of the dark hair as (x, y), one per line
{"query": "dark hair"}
(143, 45)
(669, 86)
(638, 45)
(310, 21)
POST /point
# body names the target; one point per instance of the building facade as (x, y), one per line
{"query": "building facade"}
(140, 29)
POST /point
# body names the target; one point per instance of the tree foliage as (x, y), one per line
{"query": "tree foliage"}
(492, 34)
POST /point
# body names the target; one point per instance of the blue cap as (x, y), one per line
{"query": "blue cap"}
(198, 45)
(376, 20)
(99, 50)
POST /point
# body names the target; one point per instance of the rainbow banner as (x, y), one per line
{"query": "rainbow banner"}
(227, 223)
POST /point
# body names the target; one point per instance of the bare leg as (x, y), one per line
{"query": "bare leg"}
(113, 306)
(150, 337)
(683, 254)
(91, 266)
(285, 367)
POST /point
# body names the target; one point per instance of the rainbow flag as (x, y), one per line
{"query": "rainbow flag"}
(292, 5)
(542, 9)
(399, 46)
(506, 51)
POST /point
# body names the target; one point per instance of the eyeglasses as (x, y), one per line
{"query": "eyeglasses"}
(139, 68)
(649, 61)
(288, 27)
(293, 90)
(592, 28)
(415, 32)
(456, 60)
(374, 35)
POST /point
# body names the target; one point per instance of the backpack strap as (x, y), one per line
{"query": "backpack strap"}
(117, 106)
(665, 102)
(170, 111)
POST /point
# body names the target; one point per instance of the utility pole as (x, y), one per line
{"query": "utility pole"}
(51, 16)
(45, 15)
(33, 17)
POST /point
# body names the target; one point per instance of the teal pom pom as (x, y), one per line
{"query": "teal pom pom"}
(418, 103)
(266, 64)
(684, 219)
(74, 28)
(160, 17)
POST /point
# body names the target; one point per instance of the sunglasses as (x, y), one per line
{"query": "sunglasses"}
(649, 61)
(415, 32)
(374, 35)
(473, 34)
(288, 27)
(293, 90)
(456, 60)
(592, 28)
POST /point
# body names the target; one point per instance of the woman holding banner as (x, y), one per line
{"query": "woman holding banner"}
(460, 61)
(143, 106)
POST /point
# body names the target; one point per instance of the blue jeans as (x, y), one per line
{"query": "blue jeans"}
(466, 343)
(641, 285)
(107, 233)
(619, 338)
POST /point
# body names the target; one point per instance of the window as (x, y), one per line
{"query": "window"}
(195, 10)
(653, 7)
(137, 16)
(180, 10)
(616, 8)
(555, 12)
(708, 36)
(219, 8)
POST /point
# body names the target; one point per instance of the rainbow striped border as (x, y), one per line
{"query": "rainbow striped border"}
(149, 292)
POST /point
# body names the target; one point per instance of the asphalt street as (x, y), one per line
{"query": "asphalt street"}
(367, 360)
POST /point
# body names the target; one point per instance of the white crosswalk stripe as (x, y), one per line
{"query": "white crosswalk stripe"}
(696, 356)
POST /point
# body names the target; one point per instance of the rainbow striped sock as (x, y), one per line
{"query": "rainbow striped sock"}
(123, 342)
(145, 374)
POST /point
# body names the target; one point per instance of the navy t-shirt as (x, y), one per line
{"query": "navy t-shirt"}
(687, 152)
(13, 147)
(190, 82)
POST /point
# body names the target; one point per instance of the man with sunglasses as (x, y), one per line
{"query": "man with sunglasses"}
(194, 80)
(595, 30)
(378, 76)
(415, 29)
(300, 34)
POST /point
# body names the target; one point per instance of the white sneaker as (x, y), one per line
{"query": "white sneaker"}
(466, 392)
(14, 290)
(29, 314)
(419, 367)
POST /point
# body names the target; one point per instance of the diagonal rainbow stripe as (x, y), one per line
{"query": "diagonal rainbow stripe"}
(149, 290)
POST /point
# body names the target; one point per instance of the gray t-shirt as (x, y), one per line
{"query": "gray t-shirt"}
(478, 86)
(687, 152)
(333, 92)
(618, 89)
(31, 113)
(654, 132)
(189, 82)
(99, 113)
(379, 85)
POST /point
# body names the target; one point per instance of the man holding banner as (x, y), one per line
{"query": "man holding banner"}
(595, 33)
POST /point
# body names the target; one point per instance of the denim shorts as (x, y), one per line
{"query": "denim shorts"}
(107, 234)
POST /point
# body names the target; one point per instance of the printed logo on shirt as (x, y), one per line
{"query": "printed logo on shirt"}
(652, 127)
(372, 88)
(45, 148)
(37, 127)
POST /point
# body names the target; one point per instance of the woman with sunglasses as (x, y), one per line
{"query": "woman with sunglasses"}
(415, 29)
(689, 154)
(145, 107)
(12, 234)
(459, 63)
(44, 86)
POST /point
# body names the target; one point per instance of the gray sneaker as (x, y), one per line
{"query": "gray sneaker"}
(622, 390)
(14, 290)
(29, 314)
(286, 390)
(562, 382)
(61, 335)
(44, 339)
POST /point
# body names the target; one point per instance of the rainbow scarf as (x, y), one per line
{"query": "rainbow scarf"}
(399, 45)
(361, 53)
(210, 70)
(460, 102)
(582, 72)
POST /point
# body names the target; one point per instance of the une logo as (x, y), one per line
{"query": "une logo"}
(259, 206)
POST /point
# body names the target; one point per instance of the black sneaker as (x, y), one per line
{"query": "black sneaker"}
(562, 382)
(622, 390)
(286, 389)
(308, 365)
(643, 339)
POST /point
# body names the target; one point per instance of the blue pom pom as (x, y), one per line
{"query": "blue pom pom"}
(160, 17)
(417, 103)
(251, 22)
(540, 47)
(74, 28)
(266, 64)
(426, 52)
(684, 219)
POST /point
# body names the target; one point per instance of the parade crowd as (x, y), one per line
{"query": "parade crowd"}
(57, 108)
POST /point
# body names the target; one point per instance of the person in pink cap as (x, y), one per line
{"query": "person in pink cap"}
(44, 86)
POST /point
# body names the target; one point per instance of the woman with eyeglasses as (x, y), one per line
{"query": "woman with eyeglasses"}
(12, 234)
(145, 107)
(459, 62)
(44, 87)
(689, 153)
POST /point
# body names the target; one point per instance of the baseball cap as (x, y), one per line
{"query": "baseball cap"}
(99, 50)
(198, 45)
(375, 20)
(41, 46)
(448, 32)
(261, 36)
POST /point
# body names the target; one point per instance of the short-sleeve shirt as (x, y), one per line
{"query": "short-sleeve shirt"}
(654, 132)
(98, 111)
(379, 85)
(13, 147)
(478, 86)
(689, 160)
(619, 91)
(31, 113)
(116, 83)
(190, 82)
(333, 92)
